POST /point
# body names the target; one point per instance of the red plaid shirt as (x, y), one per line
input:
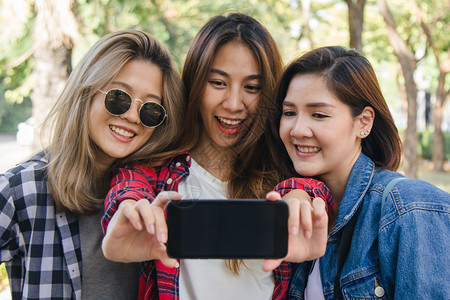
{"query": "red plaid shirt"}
(313, 187)
(158, 281)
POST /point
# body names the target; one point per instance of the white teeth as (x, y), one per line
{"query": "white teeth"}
(229, 122)
(308, 149)
(122, 132)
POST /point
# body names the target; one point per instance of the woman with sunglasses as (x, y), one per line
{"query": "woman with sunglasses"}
(229, 73)
(118, 107)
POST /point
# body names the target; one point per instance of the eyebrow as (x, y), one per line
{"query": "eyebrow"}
(313, 105)
(128, 87)
(220, 72)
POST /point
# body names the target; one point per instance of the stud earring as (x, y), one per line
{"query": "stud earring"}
(364, 133)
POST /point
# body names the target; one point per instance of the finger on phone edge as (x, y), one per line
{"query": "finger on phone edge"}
(164, 197)
(273, 196)
(160, 225)
(271, 264)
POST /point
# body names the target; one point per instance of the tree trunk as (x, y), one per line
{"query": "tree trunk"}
(54, 32)
(356, 23)
(306, 16)
(441, 94)
(408, 63)
(438, 137)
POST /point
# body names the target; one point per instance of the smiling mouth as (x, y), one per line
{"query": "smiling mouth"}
(229, 126)
(308, 149)
(122, 132)
(229, 122)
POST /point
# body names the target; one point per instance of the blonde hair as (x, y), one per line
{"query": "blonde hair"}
(75, 181)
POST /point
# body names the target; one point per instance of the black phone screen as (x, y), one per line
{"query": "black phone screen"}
(227, 229)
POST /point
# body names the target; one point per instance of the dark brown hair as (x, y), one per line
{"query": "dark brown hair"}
(253, 173)
(351, 78)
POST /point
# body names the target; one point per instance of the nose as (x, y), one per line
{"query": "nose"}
(132, 115)
(234, 100)
(300, 128)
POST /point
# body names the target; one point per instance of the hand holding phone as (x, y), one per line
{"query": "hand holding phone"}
(138, 232)
(227, 229)
(308, 228)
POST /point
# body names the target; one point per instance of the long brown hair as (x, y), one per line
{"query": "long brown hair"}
(353, 81)
(75, 182)
(253, 173)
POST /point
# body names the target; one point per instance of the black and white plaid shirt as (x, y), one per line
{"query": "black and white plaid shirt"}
(40, 246)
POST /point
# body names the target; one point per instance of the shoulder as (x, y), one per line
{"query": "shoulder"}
(419, 194)
(408, 191)
(407, 197)
(178, 164)
(179, 160)
(297, 182)
(313, 187)
(24, 184)
(32, 170)
(182, 159)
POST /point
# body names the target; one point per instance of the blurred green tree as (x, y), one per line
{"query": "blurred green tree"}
(297, 26)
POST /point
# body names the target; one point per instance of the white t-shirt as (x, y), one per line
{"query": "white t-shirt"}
(313, 290)
(211, 278)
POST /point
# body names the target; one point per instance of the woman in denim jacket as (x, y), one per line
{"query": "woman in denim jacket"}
(333, 123)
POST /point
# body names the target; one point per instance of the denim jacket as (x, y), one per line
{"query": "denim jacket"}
(402, 252)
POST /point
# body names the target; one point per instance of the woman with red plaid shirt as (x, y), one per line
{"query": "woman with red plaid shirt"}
(230, 73)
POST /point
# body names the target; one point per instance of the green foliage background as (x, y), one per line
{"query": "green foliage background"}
(175, 23)
(426, 144)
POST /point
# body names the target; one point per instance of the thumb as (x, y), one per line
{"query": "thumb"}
(273, 196)
(271, 264)
(169, 262)
(164, 197)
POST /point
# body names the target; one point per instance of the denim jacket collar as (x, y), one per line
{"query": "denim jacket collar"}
(358, 183)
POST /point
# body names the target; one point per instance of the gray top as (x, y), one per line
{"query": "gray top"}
(102, 278)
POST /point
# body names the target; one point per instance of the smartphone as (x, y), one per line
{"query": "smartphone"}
(227, 229)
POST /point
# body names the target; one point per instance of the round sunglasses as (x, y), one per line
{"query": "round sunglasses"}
(117, 102)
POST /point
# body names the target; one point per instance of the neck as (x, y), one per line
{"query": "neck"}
(216, 160)
(101, 168)
(336, 185)
(337, 180)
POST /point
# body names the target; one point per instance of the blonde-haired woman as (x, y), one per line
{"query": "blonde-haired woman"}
(125, 90)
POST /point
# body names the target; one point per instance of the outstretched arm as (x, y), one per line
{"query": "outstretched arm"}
(138, 230)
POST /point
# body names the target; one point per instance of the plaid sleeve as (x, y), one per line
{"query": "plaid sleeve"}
(282, 276)
(313, 187)
(135, 183)
(9, 238)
